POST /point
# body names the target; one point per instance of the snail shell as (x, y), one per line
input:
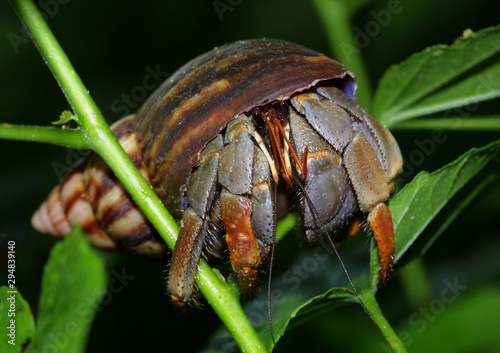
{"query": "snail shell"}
(183, 140)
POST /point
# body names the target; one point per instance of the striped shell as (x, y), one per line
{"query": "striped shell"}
(192, 106)
(196, 141)
(166, 136)
(91, 196)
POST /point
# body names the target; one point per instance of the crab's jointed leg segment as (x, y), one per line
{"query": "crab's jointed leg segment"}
(380, 220)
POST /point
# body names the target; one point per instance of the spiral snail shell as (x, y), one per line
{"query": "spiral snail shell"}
(214, 141)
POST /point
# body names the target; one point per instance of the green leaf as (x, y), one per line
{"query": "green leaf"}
(419, 202)
(74, 281)
(298, 295)
(292, 311)
(18, 325)
(469, 123)
(442, 328)
(440, 78)
(413, 209)
(472, 192)
(65, 117)
(300, 312)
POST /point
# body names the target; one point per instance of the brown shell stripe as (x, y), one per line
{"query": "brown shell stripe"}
(208, 92)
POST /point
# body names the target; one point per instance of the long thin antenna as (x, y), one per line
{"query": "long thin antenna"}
(316, 215)
(269, 314)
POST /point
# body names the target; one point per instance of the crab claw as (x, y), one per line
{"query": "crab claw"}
(243, 247)
(380, 220)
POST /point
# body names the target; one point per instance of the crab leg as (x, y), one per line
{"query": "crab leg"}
(241, 242)
(380, 220)
(369, 182)
(189, 246)
(235, 175)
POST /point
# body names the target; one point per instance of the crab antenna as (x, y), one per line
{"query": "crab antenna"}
(316, 215)
(271, 261)
(269, 314)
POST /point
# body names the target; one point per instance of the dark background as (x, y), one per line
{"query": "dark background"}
(111, 43)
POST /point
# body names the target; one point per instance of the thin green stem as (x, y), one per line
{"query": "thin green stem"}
(95, 130)
(225, 300)
(92, 123)
(371, 304)
(335, 18)
(285, 226)
(468, 124)
(384, 326)
(71, 138)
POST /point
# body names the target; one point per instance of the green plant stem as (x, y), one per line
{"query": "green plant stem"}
(71, 138)
(100, 138)
(469, 124)
(285, 226)
(93, 126)
(335, 18)
(384, 326)
(225, 301)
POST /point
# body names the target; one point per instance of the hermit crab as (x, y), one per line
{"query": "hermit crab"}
(222, 142)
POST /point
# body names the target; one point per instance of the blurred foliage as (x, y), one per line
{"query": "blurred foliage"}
(74, 282)
(114, 46)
